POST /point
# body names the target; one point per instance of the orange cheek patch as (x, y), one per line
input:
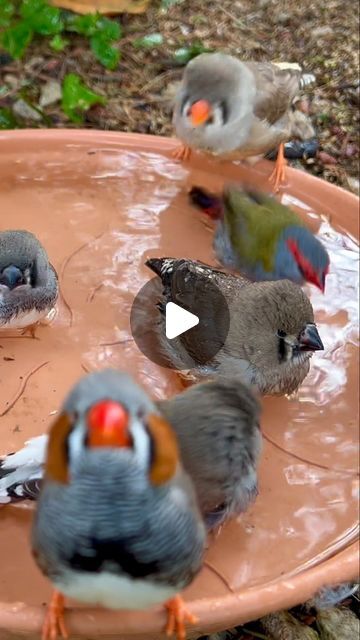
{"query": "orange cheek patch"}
(166, 453)
(56, 467)
(200, 112)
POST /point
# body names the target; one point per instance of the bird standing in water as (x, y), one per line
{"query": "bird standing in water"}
(271, 337)
(117, 522)
(28, 282)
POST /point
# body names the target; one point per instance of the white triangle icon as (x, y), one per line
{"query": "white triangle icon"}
(178, 320)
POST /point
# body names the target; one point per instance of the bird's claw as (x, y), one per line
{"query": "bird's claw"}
(183, 152)
(178, 615)
(30, 331)
(54, 620)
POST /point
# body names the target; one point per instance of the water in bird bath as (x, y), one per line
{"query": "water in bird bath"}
(101, 208)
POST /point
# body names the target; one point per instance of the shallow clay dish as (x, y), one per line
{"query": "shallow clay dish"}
(101, 203)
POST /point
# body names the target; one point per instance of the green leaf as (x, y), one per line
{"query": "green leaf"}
(110, 29)
(149, 42)
(185, 54)
(77, 97)
(85, 25)
(93, 24)
(58, 43)
(7, 119)
(166, 4)
(102, 48)
(15, 39)
(42, 18)
(6, 12)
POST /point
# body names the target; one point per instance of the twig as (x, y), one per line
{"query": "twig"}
(21, 390)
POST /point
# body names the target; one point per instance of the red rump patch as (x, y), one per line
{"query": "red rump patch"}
(306, 267)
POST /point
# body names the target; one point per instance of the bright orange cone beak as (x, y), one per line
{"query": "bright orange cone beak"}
(200, 112)
(108, 425)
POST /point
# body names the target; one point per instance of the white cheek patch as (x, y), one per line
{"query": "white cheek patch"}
(76, 442)
(141, 442)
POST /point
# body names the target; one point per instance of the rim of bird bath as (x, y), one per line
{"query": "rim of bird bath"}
(219, 598)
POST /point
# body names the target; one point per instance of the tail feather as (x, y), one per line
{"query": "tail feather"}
(22, 470)
(163, 267)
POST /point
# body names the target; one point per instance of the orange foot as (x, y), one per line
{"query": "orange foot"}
(54, 619)
(183, 152)
(177, 616)
(30, 330)
(278, 176)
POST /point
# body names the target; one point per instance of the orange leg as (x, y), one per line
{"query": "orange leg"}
(54, 620)
(278, 176)
(183, 152)
(177, 616)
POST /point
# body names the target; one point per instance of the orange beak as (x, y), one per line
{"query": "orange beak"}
(200, 112)
(108, 425)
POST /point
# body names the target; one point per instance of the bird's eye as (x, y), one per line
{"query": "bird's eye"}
(210, 120)
(281, 333)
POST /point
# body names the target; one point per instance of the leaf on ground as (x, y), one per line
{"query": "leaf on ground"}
(7, 10)
(42, 18)
(104, 51)
(93, 24)
(149, 42)
(58, 43)
(8, 120)
(185, 54)
(167, 4)
(16, 39)
(78, 98)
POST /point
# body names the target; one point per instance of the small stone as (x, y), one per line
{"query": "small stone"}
(11, 81)
(326, 158)
(354, 184)
(283, 18)
(322, 32)
(50, 93)
(24, 110)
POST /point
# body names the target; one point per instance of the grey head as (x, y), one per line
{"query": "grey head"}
(225, 89)
(272, 337)
(301, 257)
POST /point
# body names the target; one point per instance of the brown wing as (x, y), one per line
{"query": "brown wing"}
(276, 88)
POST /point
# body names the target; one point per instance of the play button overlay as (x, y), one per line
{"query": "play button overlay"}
(180, 334)
(178, 320)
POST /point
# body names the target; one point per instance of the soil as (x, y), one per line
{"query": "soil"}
(322, 36)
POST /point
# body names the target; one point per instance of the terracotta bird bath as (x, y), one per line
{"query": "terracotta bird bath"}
(101, 203)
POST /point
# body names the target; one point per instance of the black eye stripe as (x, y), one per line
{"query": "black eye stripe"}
(224, 111)
(281, 346)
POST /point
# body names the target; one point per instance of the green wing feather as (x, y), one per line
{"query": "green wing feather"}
(255, 222)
